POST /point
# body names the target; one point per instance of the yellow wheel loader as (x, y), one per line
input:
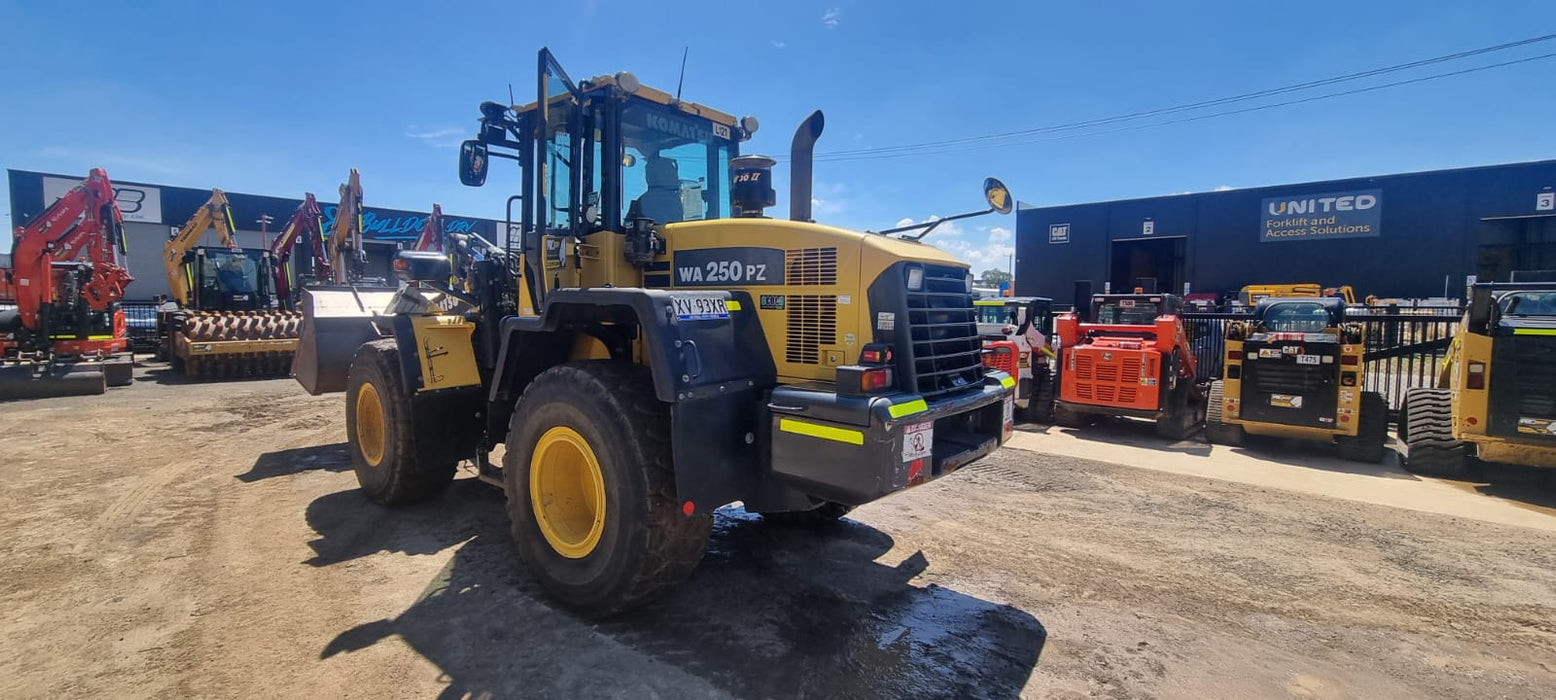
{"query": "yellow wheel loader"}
(1495, 399)
(647, 346)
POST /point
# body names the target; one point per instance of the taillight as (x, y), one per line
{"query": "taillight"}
(876, 354)
(875, 379)
(1350, 360)
(860, 380)
(1476, 378)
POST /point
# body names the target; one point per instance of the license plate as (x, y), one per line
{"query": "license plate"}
(700, 306)
(1285, 401)
(918, 441)
(1307, 359)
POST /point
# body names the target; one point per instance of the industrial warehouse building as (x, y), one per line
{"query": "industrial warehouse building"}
(152, 211)
(1410, 236)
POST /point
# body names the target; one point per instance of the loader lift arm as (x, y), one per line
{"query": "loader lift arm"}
(215, 213)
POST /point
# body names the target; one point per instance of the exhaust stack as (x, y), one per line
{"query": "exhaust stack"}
(801, 154)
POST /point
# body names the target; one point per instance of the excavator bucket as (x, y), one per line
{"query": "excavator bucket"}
(337, 321)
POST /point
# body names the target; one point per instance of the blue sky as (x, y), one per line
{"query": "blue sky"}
(281, 97)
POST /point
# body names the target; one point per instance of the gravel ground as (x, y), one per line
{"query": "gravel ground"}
(208, 540)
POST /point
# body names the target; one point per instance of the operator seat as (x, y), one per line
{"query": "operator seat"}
(662, 201)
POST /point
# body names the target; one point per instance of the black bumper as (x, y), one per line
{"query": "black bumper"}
(856, 450)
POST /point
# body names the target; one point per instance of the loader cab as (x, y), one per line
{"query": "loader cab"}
(605, 155)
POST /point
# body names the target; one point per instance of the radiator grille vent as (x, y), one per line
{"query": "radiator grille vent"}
(811, 266)
(812, 324)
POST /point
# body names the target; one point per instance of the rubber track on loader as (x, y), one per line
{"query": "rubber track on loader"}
(218, 326)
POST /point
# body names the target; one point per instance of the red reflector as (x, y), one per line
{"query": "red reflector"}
(915, 470)
(688, 507)
(875, 379)
(872, 356)
(1345, 419)
(1471, 420)
(1350, 360)
(1477, 381)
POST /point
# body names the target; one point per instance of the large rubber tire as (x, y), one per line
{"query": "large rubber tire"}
(822, 516)
(1426, 431)
(397, 476)
(1040, 401)
(1372, 431)
(1216, 432)
(645, 543)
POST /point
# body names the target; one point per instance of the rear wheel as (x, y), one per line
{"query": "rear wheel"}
(378, 429)
(1217, 432)
(1426, 430)
(591, 488)
(1372, 430)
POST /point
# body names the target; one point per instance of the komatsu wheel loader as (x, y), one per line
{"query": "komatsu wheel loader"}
(646, 346)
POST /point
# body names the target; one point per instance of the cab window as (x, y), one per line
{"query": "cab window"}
(674, 167)
(1529, 304)
(1297, 318)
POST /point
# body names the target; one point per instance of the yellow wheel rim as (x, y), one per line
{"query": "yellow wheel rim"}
(370, 424)
(567, 491)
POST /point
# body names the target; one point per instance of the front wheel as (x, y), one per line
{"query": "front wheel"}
(1372, 431)
(1217, 432)
(379, 431)
(1426, 431)
(1040, 397)
(591, 488)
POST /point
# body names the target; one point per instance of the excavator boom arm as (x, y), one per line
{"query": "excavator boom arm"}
(308, 221)
(85, 218)
(214, 213)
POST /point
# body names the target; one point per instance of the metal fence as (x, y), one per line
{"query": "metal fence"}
(1405, 347)
(141, 317)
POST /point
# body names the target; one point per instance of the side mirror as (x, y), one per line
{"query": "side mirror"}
(472, 163)
(998, 195)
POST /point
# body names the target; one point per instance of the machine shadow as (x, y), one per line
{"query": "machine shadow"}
(1139, 433)
(350, 526)
(1531, 486)
(1313, 455)
(334, 458)
(771, 612)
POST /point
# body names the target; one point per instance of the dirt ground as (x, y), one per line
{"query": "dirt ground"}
(207, 540)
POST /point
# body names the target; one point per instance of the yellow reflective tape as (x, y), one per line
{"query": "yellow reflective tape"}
(825, 432)
(732, 305)
(1007, 382)
(908, 408)
(1534, 331)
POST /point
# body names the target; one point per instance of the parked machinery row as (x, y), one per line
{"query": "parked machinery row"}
(1297, 368)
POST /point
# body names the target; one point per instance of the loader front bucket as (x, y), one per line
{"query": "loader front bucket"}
(337, 321)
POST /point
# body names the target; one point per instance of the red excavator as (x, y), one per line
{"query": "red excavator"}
(306, 222)
(67, 333)
(431, 237)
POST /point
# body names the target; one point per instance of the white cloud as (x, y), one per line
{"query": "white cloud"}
(1223, 188)
(778, 44)
(823, 208)
(438, 137)
(979, 249)
(832, 17)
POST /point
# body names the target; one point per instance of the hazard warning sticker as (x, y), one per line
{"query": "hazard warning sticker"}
(918, 441)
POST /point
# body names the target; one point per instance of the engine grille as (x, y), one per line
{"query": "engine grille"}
(944, 331)
(1290, 379)
(812, 324)
(811, 266)
(1536, 362)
